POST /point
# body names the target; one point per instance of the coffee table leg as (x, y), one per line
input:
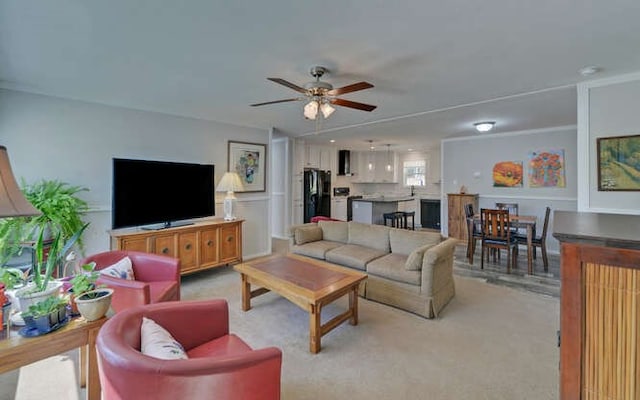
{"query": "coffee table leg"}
(353, 305)
(246, 293)
(314, 329)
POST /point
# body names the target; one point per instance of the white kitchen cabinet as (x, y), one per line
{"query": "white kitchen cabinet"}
(339, 208)
(372, 167)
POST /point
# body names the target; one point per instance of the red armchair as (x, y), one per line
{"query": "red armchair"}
(220, 365)
(157, 278)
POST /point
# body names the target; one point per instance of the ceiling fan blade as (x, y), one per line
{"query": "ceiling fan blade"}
(353, 104)
(288, 84)
(350, 88)
(276, 101)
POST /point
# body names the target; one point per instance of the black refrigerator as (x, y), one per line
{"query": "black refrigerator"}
(317, 196)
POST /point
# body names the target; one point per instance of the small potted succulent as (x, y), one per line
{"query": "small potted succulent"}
(92, 301)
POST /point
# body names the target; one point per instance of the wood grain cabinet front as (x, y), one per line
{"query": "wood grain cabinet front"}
(200, 246)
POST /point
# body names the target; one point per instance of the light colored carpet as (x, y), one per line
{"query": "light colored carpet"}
(490, 342)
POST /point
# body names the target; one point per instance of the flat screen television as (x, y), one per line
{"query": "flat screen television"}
(160, 193)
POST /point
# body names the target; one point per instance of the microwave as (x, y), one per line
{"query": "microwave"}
(340, 191)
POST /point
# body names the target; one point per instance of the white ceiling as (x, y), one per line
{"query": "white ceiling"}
(209, 59)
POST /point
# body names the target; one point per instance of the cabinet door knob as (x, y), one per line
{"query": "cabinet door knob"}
(188, 246)
(210, 243)
(165, 250)
(229, 238)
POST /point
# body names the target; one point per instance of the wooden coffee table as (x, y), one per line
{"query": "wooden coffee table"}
(308, 283)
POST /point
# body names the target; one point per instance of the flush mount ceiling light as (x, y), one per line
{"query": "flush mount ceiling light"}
(484, 126)
(590, 70)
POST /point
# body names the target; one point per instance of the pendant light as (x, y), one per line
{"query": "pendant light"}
(389, 164)
(370, 165)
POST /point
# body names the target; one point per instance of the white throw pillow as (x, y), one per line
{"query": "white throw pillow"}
(122, 269)
(157, 342)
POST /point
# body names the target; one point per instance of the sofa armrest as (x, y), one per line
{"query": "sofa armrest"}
(126, 293)
(437, 265)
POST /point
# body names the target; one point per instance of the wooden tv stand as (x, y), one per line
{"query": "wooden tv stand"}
(203, 245)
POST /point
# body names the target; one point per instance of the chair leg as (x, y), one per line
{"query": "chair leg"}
(545, 260)
(472, 250)
(482, 257)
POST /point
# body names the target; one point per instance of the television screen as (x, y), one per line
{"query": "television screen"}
(152, 192)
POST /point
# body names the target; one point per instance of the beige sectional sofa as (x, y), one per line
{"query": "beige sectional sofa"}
(411, 270)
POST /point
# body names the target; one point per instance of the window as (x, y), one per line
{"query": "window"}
(413, 173)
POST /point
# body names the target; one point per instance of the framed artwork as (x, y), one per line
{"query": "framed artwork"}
(507, 174)
(619, 163)
(546, 168)
(249, 161)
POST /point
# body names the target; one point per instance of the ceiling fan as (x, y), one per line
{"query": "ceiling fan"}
(320, 95)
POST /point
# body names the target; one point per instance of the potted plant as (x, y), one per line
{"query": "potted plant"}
(61, 209)
(42, 285)
(92, 302)
(46, 315)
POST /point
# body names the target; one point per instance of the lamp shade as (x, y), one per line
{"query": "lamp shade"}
(230, 182)
(12, 201)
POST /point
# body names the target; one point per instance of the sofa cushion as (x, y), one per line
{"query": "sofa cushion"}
(157, 342)
(307, 234)
(315, 249)
(373, 236)
(353, 255)
(404, 242)
(392, 267)
(414, 260)
(335, 231)
(122, 269)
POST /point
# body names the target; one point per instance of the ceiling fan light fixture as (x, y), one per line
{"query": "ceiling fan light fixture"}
(311, 110)
(484, 126)
(326, 109)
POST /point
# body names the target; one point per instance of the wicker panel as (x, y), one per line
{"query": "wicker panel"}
(611, 367)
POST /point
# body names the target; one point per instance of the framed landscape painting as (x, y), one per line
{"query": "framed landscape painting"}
(619, 163)
(249, 161)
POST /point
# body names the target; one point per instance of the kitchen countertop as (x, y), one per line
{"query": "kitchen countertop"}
(385, 199)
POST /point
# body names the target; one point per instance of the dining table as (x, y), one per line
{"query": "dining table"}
(527, 222)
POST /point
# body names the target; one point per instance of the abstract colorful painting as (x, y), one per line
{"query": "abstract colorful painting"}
(546, 168)
(507, 174)
(248, 160)
(619, 163)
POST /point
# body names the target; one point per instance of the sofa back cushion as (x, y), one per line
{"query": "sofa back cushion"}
(334, 231)
(307, 234)
(373, 236)
(404, 242)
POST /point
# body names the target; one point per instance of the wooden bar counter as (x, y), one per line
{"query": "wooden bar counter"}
(599, 305)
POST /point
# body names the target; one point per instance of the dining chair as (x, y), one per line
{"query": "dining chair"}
(513, 210)
(538, 241)
(496, 234)
(474, 232)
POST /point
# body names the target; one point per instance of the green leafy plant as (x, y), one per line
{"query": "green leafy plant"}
(43, 270)
(11, 277)
(85, 282)
(45, 307)
(62, 210)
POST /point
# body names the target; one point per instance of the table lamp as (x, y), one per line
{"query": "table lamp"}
(230, 183)
(12, 201)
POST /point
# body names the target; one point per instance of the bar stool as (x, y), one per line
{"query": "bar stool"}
(395, 218)
(408, 214)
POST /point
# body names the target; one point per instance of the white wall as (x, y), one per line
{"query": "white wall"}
(469, 162)
(74, 141)
(607, 107)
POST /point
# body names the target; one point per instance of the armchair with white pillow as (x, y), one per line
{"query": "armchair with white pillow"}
(137, 278)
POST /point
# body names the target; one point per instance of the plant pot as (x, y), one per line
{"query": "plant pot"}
(26, 298)
(94, 308)
(49, 322)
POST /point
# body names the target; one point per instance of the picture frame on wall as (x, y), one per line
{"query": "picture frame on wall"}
(249, 161)
(619, 163)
